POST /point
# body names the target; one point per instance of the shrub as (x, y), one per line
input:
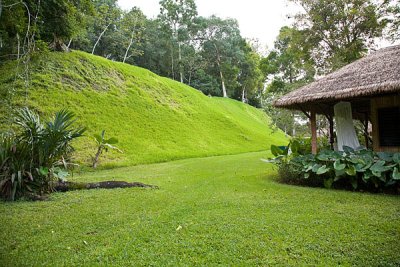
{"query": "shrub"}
(288, 172)
(357, 169)
(361, 168)
(36, 154)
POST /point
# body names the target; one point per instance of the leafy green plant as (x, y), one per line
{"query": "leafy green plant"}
(36, 153)
(285, 153)
(358, 168)
(283, 156)
(103, 144)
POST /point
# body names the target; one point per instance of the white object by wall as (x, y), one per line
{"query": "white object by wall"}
(345, 131)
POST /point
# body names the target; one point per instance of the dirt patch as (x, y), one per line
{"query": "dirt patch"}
(69, 186)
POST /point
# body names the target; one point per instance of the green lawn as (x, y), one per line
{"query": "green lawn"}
(225, 210)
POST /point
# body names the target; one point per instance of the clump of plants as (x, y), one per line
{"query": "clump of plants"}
(355, 169)
(36, 153)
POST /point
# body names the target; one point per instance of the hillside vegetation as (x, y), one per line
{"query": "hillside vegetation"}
(155, 119)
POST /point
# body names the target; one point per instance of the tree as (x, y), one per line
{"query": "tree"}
(14, 27)
(133, 24)
(250, 76)
(222, 46)
(393, 13)
(341, 31)
(177, 15)
(290, 61)
(103, 144)
(106, 15)
(62, 20)
(288, 66)
(53, 21)
(156, 49)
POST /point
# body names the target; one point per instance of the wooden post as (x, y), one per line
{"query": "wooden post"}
(313, 126)
(366, 131)
(331, 133)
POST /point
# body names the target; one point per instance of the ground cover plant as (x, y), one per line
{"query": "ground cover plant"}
(225, 210)
(351, 168)
(155, 119)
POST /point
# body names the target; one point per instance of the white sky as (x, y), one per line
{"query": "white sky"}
(260, 19)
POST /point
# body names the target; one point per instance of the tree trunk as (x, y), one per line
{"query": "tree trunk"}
(18, 46)
(172, 62)
(69, 43)
(243, 95)
(180, 62)
(98, 39)
(96, 157)
(127, 50)
(58, 45)
(131, 41)
(190, 77)
(224, 94)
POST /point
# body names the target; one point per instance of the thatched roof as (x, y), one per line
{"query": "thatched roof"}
(375, 74)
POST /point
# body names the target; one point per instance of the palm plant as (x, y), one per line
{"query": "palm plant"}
(29, 158)
(103, 144)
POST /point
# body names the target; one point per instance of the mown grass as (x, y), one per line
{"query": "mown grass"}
(155, 119)
(225, 210)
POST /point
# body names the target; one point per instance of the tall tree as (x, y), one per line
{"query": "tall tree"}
(341, 30)
(288, 66)
(250, 76)
(178, 15)
(62, 20)
(222, 46)
(59, 21)
(156, 49)
(14, 26)
(393, 17)
(290, 60)
(132, 25)
(107, 15)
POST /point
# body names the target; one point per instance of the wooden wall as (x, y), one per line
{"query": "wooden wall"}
(376, 103)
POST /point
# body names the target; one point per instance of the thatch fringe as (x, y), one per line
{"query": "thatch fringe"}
(375, 74)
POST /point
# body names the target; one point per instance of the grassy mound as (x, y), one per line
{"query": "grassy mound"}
(155, 119)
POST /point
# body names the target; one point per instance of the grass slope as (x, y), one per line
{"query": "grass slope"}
(230, 210)
(155, 119)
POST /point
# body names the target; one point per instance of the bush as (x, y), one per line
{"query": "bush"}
(360, 169)
(290, 174)
(36, 154)
(304, 144)
(349, 169)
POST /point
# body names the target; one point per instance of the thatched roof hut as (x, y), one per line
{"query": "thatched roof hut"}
(370, 83)
(375, 74)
